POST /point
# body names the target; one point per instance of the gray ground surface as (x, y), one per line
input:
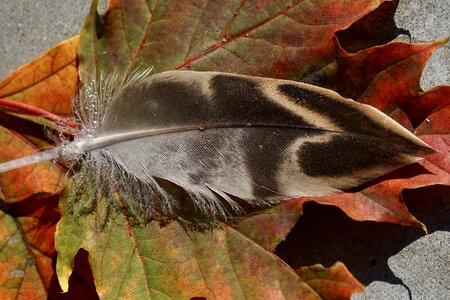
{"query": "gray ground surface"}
(424, 268)
(28, 28)
(428, 20)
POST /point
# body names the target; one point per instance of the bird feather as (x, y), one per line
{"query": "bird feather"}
(223, 137)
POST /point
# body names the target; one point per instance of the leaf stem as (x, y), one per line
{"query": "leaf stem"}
(33, 110)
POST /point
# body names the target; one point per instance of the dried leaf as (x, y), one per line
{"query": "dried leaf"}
(42, 178)
(368, 75)
(272, 38)
(270, 227)
(27, 222)
(354, 74)
(49, 82)
(27, 249)
(276, 46)
(387, 77)
(335, 282)
(150, 261)
(425, 104)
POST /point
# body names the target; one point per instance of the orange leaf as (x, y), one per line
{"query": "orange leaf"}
(384, 76)
(48, 82)
(387, 77)
(397, 83)
(335, 282)
(435, 131)
(27, 249)
(16, 185)
(419, 108)
(382, 201)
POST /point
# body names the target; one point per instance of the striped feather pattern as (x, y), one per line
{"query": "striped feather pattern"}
(262, 140)
(226, 136)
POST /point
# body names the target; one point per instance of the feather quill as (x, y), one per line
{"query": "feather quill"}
(224, 136)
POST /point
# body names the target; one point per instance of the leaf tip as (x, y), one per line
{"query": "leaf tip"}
(424, 228)
(63, 278)
(442, 41)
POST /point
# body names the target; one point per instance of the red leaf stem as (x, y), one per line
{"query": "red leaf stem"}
(33, 110)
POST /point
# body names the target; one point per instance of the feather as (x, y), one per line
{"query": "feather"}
(220, 136)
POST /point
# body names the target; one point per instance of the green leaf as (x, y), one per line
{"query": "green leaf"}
(153, 262)
(283, 39)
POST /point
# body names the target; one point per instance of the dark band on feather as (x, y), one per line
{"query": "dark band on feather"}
(345, 116)
(263, 152)
(337, 157)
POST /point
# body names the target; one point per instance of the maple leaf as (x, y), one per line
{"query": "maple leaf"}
(271, 39)
(388, 77)
(27, 251)
(38, 93)
(47, 83)
(334, 282)
(286, 41)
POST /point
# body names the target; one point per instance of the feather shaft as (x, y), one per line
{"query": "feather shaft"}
(29, 160)
(91, 144)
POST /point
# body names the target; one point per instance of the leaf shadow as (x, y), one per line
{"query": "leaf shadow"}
(324, 234)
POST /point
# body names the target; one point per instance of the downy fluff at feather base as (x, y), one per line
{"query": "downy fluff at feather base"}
(224, 138)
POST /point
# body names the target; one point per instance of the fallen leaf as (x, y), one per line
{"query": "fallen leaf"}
(425, 104)
(285, 42)
(27, 249)
(270, 38)
(270, 227)
(47, 85)
(28, 219)
(368, 75)
(49, 82)
(42, 178)
(399, 83)
(335, 282)
(388, 77)
(150, 261)
(382, 200)
(376, 28)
